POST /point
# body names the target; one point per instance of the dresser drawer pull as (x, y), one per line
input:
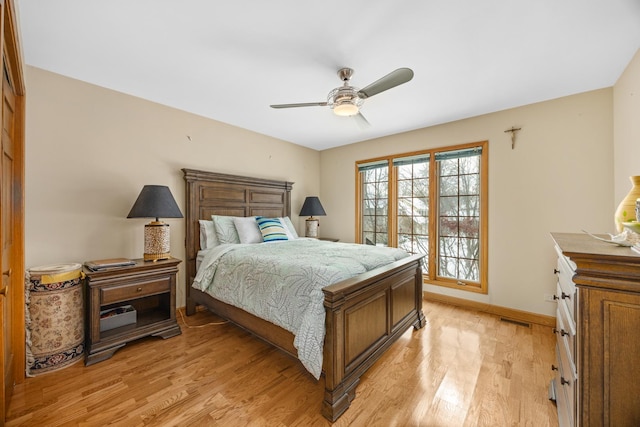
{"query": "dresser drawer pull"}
(564, 382)
(138, 289)
(563, 296)
(554, 368)
(556, 271)
(555, 297)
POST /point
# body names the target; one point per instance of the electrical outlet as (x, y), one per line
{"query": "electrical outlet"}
(549, 298)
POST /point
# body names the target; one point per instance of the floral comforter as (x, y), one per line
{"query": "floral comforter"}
(282, 282)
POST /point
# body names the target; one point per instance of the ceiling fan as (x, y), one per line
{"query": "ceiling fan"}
(346, 100)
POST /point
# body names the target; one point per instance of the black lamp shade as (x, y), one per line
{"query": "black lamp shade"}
(155, 201)
(311, 207)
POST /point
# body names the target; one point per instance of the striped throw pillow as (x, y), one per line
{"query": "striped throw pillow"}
(271, 229)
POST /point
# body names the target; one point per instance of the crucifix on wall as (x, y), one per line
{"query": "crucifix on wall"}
(513, 131)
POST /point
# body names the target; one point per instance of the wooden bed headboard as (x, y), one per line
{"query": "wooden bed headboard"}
(210, 193)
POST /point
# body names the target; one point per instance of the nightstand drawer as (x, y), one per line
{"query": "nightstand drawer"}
(115, 294)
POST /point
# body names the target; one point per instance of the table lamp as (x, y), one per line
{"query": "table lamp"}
(311, 207)
(155, 201)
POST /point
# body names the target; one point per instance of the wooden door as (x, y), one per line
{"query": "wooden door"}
(12, 332)
(7, 235)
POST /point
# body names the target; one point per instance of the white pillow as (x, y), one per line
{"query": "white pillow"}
(225, 229)
(248, 230)
(208, 238)
(288, 227)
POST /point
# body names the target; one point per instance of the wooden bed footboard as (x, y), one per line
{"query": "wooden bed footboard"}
(365, 315)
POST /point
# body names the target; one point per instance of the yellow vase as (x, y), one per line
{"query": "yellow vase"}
(627, 208)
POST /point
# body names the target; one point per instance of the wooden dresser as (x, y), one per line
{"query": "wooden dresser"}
(597, 379)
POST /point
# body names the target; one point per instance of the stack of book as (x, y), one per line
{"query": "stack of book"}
(108, 264)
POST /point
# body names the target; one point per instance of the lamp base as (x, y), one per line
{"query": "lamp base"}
(311, 227)
(156, 241)
(156, 257)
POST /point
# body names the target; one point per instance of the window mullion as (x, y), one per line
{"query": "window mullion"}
(433, 217)
(392, 212)
(359, 212)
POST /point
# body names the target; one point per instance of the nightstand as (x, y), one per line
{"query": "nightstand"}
(150, 287)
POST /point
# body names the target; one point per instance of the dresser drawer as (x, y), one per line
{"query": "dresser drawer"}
(113, 294)
(566, 380)
(561, 396)
(566, 287)
(566, 332)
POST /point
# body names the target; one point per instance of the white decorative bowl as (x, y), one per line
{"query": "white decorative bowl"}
(632, 226)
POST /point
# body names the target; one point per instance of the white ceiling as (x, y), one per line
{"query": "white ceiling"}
(229, 60)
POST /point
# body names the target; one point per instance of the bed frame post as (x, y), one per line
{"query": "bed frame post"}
(337, 395)
(192, 236)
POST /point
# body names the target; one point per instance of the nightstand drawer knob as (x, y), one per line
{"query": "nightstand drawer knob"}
(138, 289)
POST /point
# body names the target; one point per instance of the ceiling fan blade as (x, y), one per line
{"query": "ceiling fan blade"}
(393, 79)
(304, 104)
(362, 122)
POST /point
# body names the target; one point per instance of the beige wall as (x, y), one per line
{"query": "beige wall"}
(626, 127)
(559, 177)
(90, 150)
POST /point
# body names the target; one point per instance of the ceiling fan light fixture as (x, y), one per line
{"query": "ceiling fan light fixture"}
(345, 109)
(344, 101)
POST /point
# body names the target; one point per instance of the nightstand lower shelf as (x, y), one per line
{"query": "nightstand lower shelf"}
(111, 340)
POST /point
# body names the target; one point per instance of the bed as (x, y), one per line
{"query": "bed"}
(364, 315)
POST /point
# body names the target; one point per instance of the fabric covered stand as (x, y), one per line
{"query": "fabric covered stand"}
(54, 317)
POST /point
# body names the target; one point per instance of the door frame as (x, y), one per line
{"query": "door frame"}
(12, 55)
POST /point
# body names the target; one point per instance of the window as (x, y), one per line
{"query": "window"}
(433, 203)
(412, 183)
(459, 214)
(375, 203)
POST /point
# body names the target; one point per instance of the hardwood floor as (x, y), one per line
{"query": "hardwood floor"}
(464, 368)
